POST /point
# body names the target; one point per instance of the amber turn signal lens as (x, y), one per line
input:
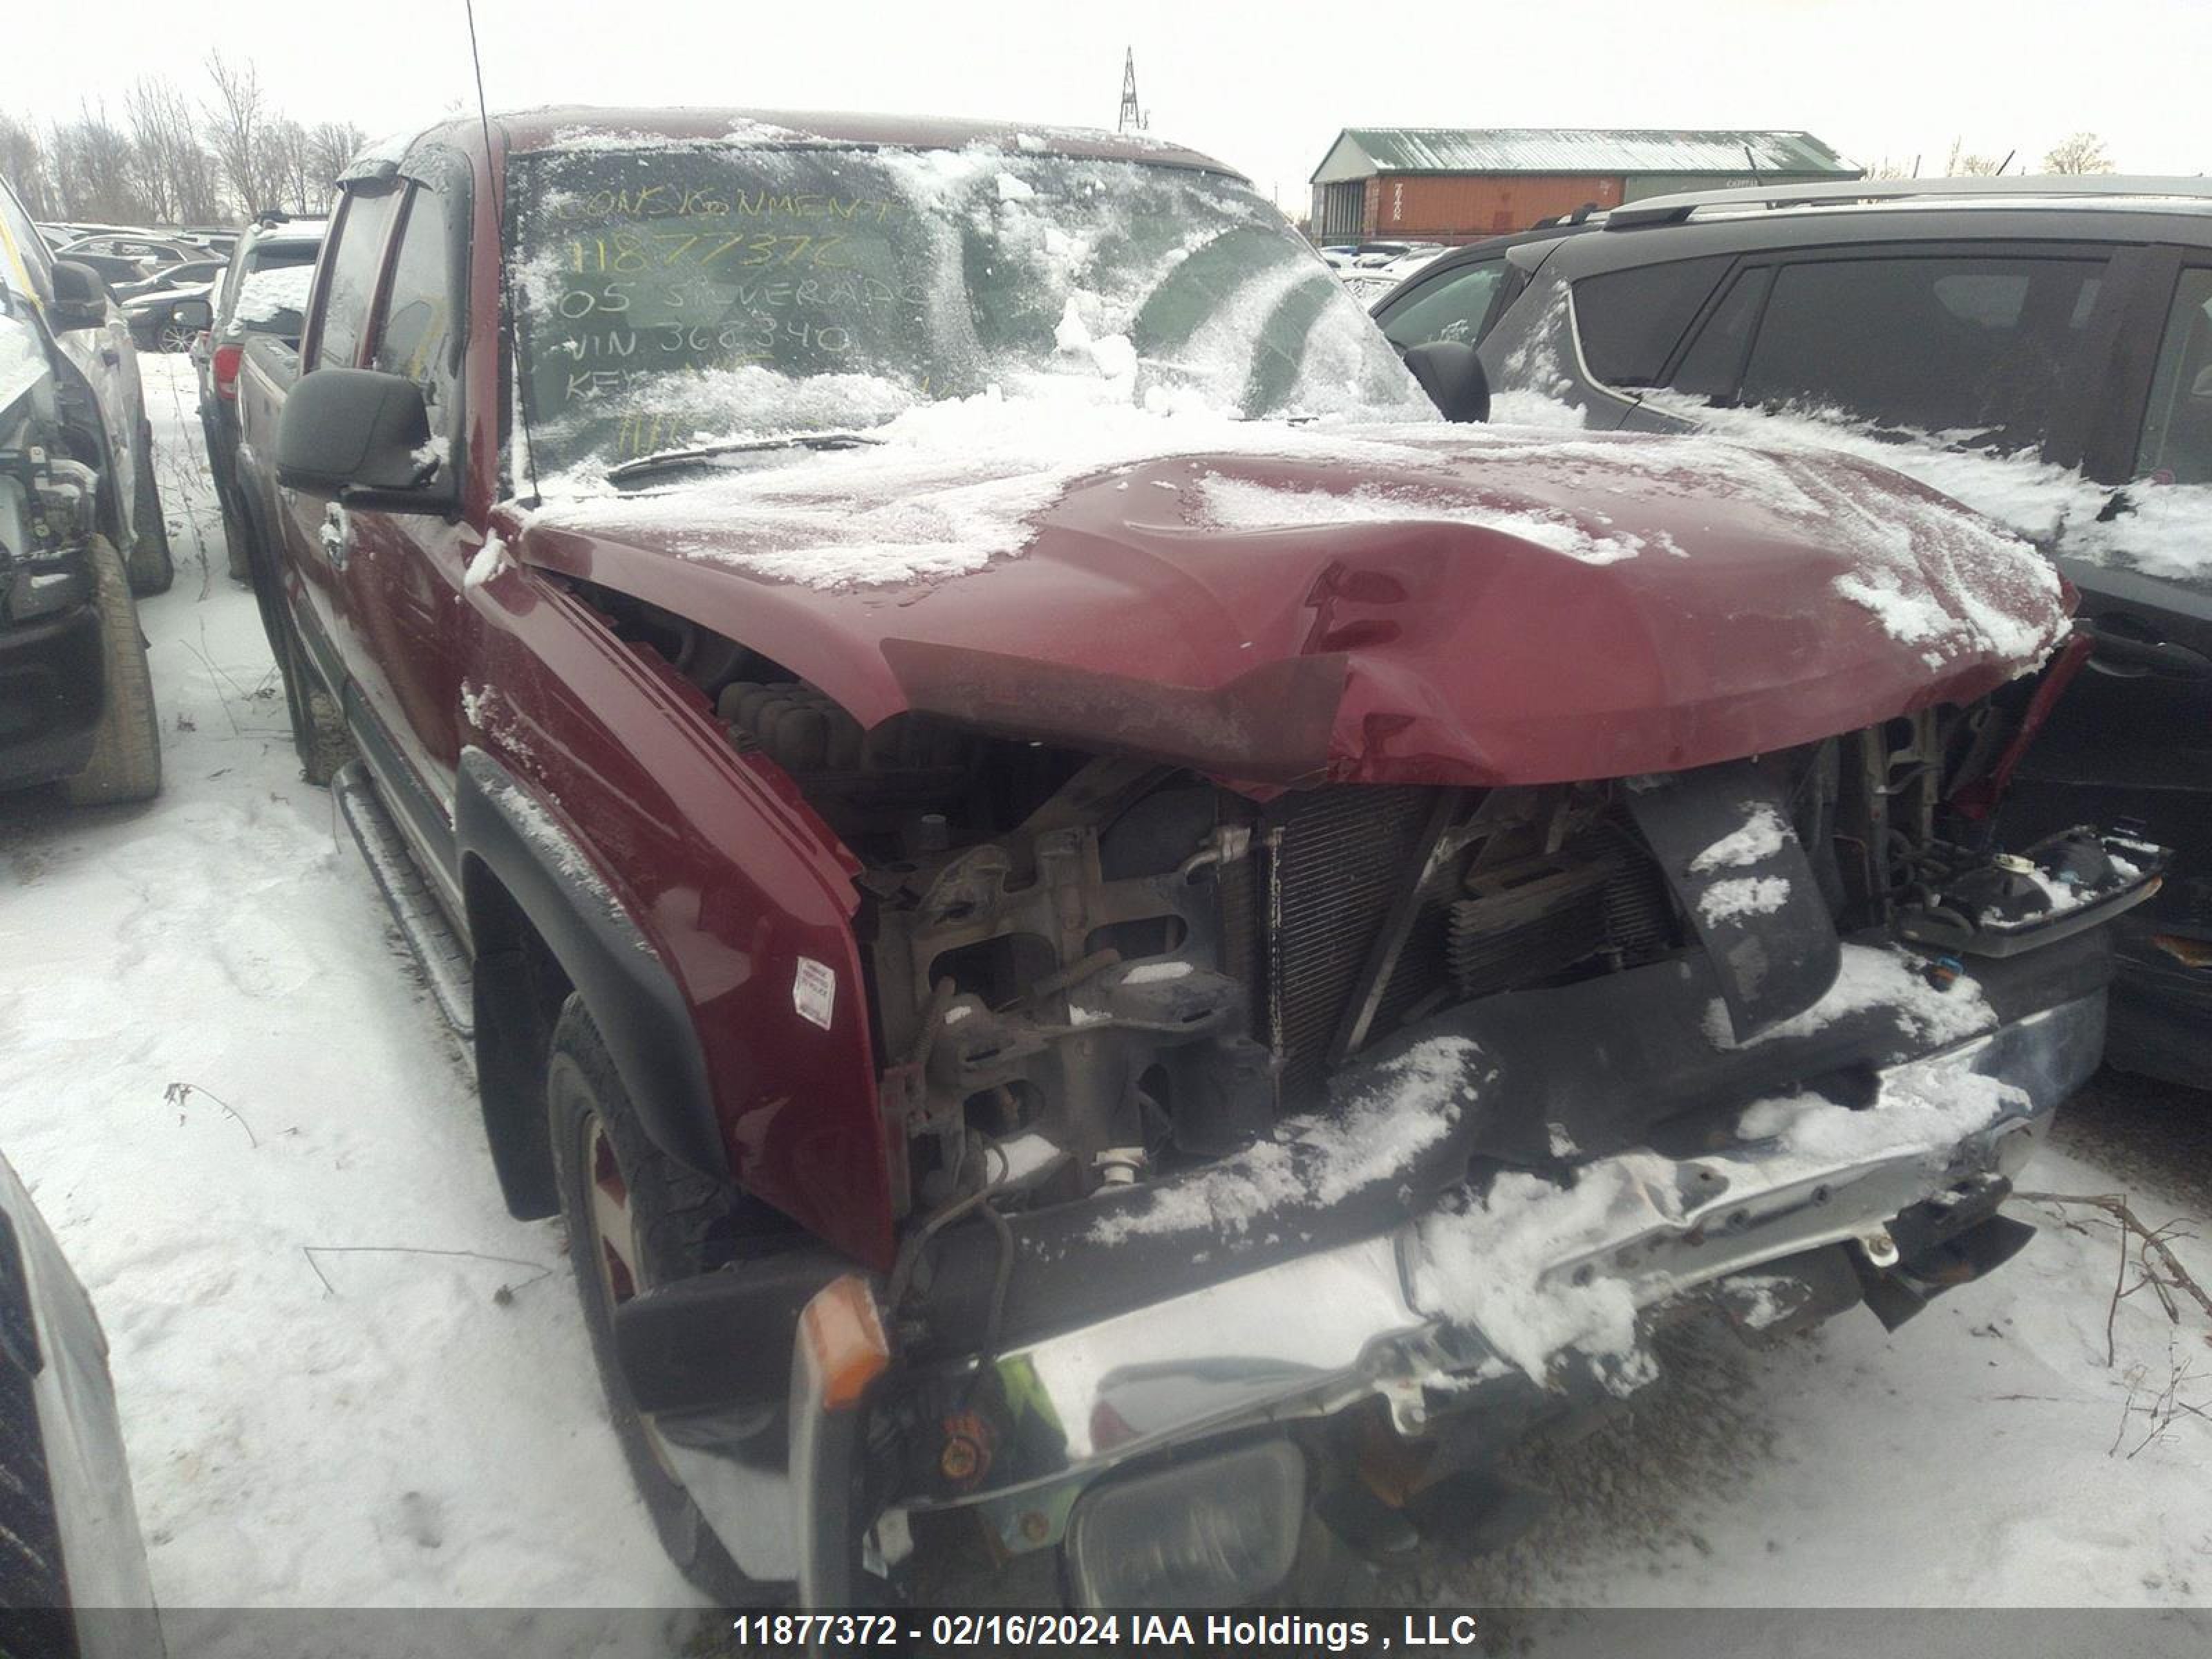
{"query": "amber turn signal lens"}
(843, 1337)
(2189, 953)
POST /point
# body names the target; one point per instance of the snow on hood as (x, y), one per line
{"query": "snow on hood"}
(2164, 530)
(944, 489)
(949, 487)
(1279, 602)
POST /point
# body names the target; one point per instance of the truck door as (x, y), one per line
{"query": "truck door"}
(401, 575)
(312, 524)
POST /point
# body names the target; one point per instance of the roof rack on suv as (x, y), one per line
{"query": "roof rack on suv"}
(1675, 209)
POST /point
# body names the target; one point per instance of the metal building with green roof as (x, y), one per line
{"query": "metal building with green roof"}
(1458, 184)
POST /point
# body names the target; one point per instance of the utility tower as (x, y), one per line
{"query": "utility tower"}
(1133, 118)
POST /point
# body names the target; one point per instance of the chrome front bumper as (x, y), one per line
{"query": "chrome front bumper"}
(1312, 1335)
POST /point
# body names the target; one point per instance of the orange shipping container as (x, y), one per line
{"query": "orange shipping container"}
(1463, 207)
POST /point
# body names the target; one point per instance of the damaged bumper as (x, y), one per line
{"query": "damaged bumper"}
(1394, 1314)
(1503, 1298)
(1026, 1369)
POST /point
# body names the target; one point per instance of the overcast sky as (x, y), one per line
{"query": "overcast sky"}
(1264, 88)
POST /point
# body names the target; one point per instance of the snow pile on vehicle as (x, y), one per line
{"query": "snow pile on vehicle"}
(1740, 896)
(1533, 386)
(1487, 1263)
(1764, 833)
(1241, 504)
(1876, 977)
(271, 294)
(1954, 585)
(1374, 1137)
(946, 488)
(1920, 1110)
(646, 270)
(2160, 529)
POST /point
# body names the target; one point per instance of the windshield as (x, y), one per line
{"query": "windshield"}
(685, 295)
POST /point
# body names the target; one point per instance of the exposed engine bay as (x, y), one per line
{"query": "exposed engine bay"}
(1091, 970)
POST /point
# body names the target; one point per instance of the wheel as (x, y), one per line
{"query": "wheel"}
(126, 746)
(637, 1218)
(175, 336)
(152, 569)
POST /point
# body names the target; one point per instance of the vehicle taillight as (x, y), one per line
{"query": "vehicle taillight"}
(226, 371)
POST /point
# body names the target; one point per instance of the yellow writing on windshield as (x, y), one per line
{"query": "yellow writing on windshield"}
(633, 251)
(674, 201)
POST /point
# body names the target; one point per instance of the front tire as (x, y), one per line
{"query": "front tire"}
(637, 1219)
(126, 746)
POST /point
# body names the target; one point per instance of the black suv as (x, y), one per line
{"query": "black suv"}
(2041, 349)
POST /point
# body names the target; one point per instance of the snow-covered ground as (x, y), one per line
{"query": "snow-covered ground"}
(216, 1059)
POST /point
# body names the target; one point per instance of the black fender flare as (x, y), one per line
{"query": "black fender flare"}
(499, 829)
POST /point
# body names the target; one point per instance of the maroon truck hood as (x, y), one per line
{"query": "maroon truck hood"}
(1775, 599)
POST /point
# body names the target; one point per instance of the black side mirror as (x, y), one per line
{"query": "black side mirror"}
(361, 435)
(1452, 375)
(80, 298)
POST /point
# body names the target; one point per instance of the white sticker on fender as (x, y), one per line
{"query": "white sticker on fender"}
(814, 991)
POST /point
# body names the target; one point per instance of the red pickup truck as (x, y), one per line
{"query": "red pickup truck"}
(1125, 951)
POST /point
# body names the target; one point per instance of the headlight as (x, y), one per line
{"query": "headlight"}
(1217, 1531)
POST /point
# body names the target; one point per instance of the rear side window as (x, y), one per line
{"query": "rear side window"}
(1454, 306)
(1977, 348)
(360, 233)
(2177, 437)
(1629, 322)
(1714, 362)
(417, 338)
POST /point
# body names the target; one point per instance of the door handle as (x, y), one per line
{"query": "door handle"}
(333, 536)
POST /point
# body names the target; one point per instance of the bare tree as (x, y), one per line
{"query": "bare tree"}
(331, 145)
(2078, 152)
(175, 173)
(235, 120)
(23, 164)
(1963, 165)
(95, 171)
(284, 164)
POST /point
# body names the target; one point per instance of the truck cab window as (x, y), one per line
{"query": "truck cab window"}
(359, 237)
(416, 336)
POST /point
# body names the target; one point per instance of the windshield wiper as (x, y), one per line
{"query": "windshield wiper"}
(662, 460)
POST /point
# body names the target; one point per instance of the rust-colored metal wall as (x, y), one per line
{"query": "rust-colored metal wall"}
(1465, 207)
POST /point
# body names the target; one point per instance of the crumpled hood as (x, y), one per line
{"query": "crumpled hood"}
(1412, 603)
